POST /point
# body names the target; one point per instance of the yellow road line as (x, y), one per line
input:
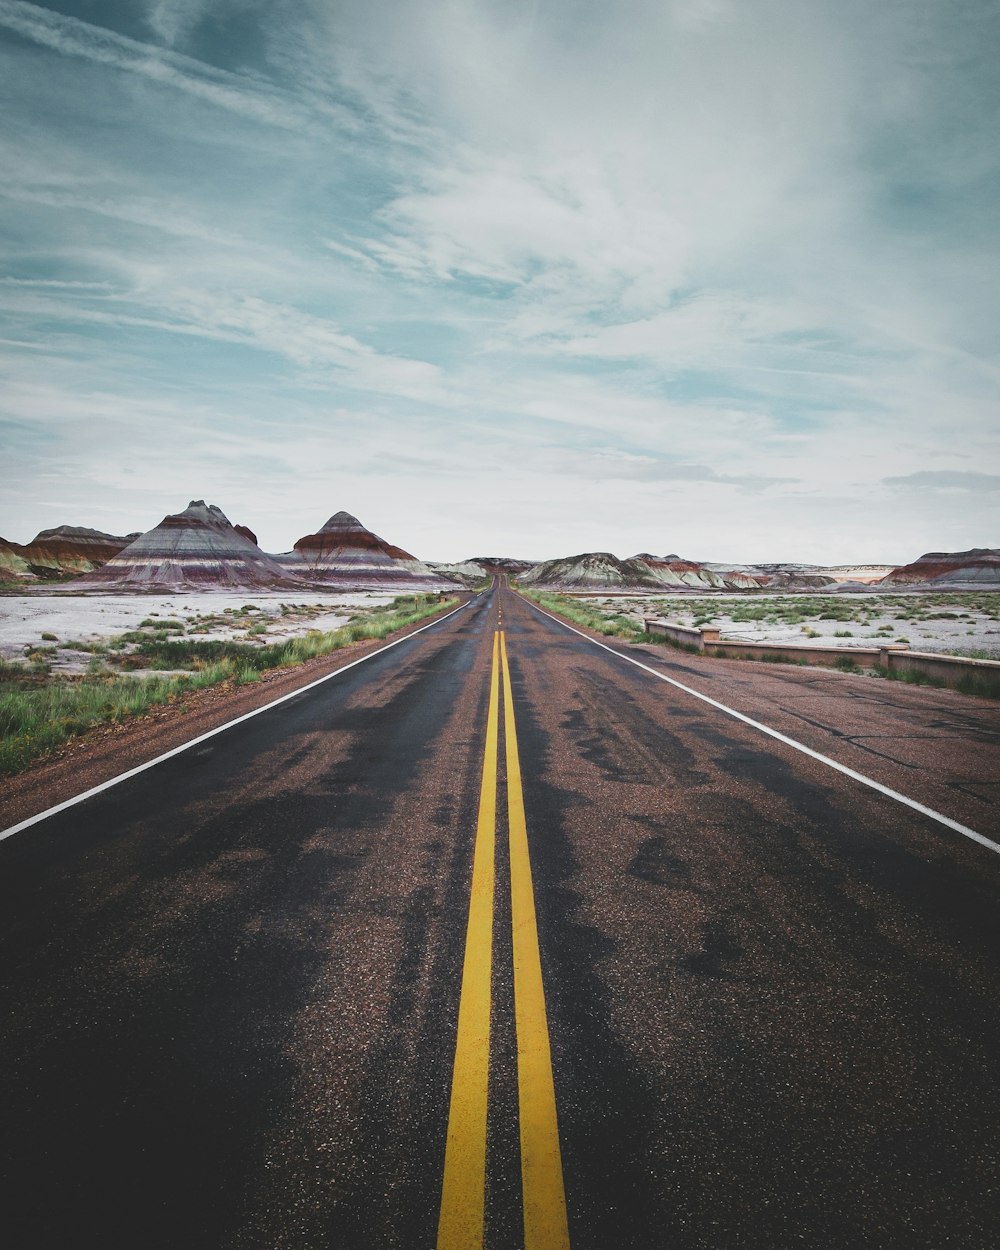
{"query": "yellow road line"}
(463, 1195)
(545, 1226)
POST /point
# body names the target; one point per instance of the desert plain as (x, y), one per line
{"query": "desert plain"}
(46, 625)
(950, 623)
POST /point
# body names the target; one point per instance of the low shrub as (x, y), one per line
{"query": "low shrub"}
(690, 647)
(986, 686)
(591, 618)
(39, 715)
(912, 677)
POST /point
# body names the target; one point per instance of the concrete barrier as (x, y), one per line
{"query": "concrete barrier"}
(896, 657)
(706, 641)
(950, 670)
(684, 634)
(794, 653)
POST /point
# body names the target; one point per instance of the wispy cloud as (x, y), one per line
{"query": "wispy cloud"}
(58, 284)
(951, 481)
(300, 338)
(252, 98)
(696, 274)
(707, 328)
(156, 214)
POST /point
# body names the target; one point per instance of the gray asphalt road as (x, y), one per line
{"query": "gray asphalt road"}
(771, 993)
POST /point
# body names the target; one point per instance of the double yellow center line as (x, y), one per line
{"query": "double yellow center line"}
(463, 1198)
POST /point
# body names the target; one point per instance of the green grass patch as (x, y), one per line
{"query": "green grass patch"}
(846, 664)
(39, 714)
(985, 686)
(617, 626)
(36, 719)
(157, 651)
(677, 644)
(912, 677)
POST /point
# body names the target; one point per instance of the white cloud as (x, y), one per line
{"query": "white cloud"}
(509, 226)
(647, 257)
(158, 214)
(237, 93)
(173, 19)
(706, 329)
(304, 339)
(949, 480)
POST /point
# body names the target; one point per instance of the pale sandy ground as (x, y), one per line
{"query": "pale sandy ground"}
(977, 632)
(97, 617)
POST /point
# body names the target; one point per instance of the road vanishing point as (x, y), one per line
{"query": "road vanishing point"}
(503, 936)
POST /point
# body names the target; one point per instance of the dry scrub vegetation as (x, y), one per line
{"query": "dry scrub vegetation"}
(876, 618)
(158, 663)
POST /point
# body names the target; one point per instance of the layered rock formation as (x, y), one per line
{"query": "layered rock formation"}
(13, 566)
(66, 549)
(477, 569)
(674, 570)
(73, 549)
(345, 554)
(978, 566)
(502, 564)
(600, 569)
(469, 572)
(791, 576)
(592, 568)
(194, 548)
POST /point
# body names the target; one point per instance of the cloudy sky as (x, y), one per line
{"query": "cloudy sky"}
(524, 277)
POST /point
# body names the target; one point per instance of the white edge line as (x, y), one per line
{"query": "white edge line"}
(186, 746)
(798, 746)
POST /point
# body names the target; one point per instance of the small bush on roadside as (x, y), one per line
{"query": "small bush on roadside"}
(591, 618)
(912, 677)
(986, 686)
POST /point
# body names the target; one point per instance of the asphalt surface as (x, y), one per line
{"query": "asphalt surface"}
(231, 983)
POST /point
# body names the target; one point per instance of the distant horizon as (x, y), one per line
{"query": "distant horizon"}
(495, 550)
(688, 275)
